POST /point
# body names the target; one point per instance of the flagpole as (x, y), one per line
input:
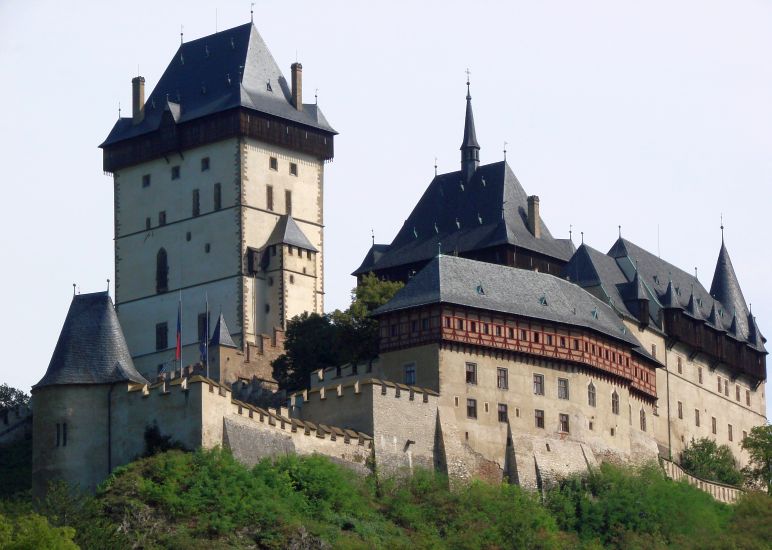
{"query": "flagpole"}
(206, 341)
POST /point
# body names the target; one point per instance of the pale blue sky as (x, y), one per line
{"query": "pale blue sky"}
(645, 114)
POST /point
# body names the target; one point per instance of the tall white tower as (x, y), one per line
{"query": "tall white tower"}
(219, 181)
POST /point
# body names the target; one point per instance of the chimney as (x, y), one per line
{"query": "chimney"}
(534, 223)
(297, 86)
(138, 99)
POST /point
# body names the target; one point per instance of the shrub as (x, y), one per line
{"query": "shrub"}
(707, 460)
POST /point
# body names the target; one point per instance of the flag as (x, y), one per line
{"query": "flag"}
(204, 344)
(178, 352)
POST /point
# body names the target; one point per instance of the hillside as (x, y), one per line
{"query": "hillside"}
(208, 500)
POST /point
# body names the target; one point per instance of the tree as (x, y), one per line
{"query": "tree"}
(707, 460)
(10, 397)
(758, 443)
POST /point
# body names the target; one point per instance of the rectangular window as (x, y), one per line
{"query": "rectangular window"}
(161, 336)
(502, 378)
(523, 335)
(162, 217)
(564, 427)
(217, 196)
(471, 408)
(748, 397)
(64, 434)
(205, 164)
(269, 197)
(538, 384)
(699, 375)
(562, 388)
(58, 434)
(273, 163)
(713, 425)
(728, 433)
(539, 418)
(196, 202)
(503, 417)
(737, 392)
(425, 323)
(726, 387)
(719, 383)
(680, 366)
(471, 373)
(654, 350)
(410, 374)
(293, 169)
(615, 403)
(459, 324)
(146, 180)
(175, 172)
(549, 339)
(591, 395)
(288, 201)
(643, 420)
(680, 410)
(697, 417)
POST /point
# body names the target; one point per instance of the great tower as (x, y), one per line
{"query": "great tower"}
(218, 181)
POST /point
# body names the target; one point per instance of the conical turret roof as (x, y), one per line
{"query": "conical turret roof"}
(91, 347)
(221, 336)
(726, 289)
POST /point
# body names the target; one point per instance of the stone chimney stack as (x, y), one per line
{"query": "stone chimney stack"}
(534, 223)
(138, 99)
(297, 86)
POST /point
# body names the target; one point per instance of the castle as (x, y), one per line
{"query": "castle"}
(509, 354)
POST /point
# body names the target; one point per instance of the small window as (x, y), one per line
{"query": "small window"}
(654, 350)
(205, 164)
(161, 271)
(591, 394)
(425, 323)
(538, 416)
(292, 279)
(410, 374)
(273, 163)
(718, 378)
(615, 402)
(217, 196)
(288, 201)
(576, 345)
(162, 217)
(64, 434)
(737, 392)
(538, 384)
(680, 410)
(293, 167)
(188, 236)
(536, 336)
(726, 387)
(290, 250)
(713, 425)
(523, 335)
(147, 223)
(643, 420)
(455, 400)
(564, 426)
(58, 434)
(175, 172)
(146, 180)
(680, 366)
(472, 326)
(728, 433)
(161, 336)
(697, 417)
(748, 397)
(394, 330)
(196, 202)
(562, 388)
(471, 408)
(207, 248)
(459, 324)
(745, 434)
(548, 338)
(471, 373)
(503, 416)
(699, 374)
(269, 197)
(502, 378)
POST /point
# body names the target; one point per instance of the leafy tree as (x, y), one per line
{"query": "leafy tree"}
(758, 443)
(10, 397)
(30, 531)
(707, 460)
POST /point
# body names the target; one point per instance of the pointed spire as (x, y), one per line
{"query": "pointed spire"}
(470, 149)
(726, 288)
(221, 336)
(670, 298)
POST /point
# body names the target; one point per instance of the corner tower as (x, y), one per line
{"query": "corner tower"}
(221, 159)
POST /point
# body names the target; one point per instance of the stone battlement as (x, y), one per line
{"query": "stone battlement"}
(348, 371)
(354, 387)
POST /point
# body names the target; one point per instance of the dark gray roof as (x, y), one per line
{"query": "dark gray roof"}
(629, 271)
(287, 231)
(229, 69)
(373, 255)
(91, 347)
(221, 336)
(470, 135)
(491, 209)
(492, 287)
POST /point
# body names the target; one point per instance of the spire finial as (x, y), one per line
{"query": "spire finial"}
(468, 93)
(695, 271)
(619, 227)
(505, 151)
(570, 232)
(108, 286)
(73, 289)
(181, 34)
(119, 109)
(722, 228)
(439, 248)
(316, 96)
(372, 235)
(582, 237)
(435, 166)
(252, 13)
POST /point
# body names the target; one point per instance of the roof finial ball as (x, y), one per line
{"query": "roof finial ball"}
(722, 228)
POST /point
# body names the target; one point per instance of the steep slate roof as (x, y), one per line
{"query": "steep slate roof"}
(221, 336)
(91, 347)
(373, 255)
(492, 287)
(287, 231)
(628, 271)
(468, 216)
(228, 69)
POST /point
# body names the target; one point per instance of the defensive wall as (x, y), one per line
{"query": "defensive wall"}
(719, 491)
(15, 424)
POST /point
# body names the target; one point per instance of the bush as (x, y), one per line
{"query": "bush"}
(30, 531)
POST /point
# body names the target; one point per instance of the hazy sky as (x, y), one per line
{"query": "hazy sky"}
(656, 116)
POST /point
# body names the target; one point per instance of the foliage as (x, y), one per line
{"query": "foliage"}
(707, 460)
(10, 397)
(314, 341)
(622, 508)
(155, 442)
(15, 468)
(30, 531)
(758, 443)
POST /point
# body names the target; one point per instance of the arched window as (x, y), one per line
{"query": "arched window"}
(161, 271)
(615, 402)
(591, 394)
(643, 420)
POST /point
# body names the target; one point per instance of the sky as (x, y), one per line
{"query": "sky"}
(654, 116)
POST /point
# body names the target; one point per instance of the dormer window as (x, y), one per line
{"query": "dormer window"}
(268, 86)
